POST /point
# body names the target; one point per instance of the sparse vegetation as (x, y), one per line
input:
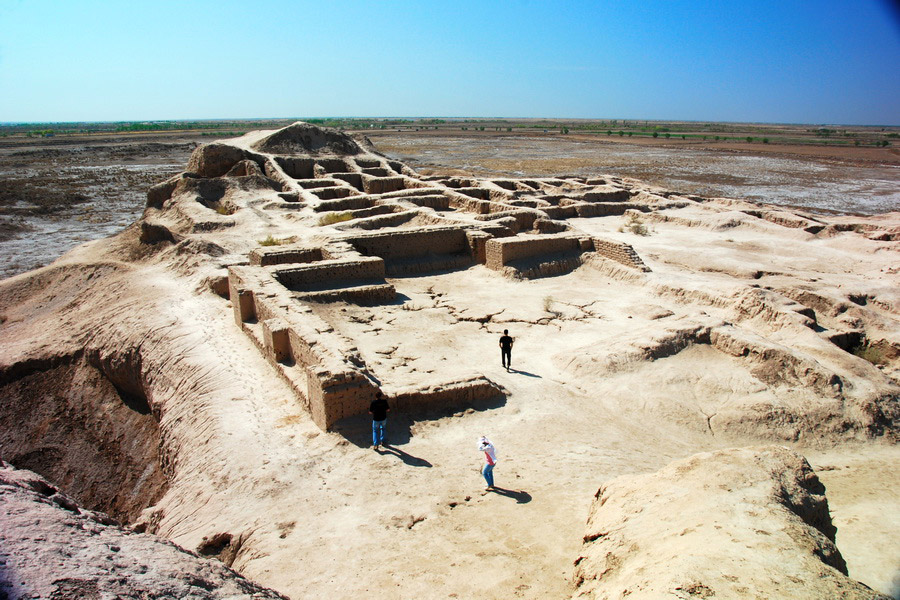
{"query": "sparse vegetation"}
(873, 354)
(635, 225)
(271, 241)
(335, 217)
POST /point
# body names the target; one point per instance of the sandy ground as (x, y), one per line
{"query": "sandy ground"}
(414, 520)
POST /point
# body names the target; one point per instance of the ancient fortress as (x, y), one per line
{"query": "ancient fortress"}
(376, 218)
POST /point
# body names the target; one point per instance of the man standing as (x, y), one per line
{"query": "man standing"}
(379, 410)
(506, 344)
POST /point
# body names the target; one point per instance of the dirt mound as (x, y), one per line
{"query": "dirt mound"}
(303, 138)
(51, 548)
(728, 524)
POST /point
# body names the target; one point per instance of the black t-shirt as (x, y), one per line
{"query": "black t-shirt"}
(379, 409)
(506, 342)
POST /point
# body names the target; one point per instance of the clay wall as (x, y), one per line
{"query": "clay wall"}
(412, 242)
(607, 193)
(524, 218)
(264, 257)
(620, 252)
(351, 203)
(501, 251)
(455, 394)
(601, 209)
(304, 276)
(298, 168)
(363, 294)
(395, 219)
(380, 185)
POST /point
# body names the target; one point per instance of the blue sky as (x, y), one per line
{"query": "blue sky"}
(805, 61)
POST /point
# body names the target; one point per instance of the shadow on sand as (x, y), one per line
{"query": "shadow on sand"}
(525, 373)
(521, 497)
(409, 459)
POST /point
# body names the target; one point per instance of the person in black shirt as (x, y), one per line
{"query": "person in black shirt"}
(379, 410)
(506, 344)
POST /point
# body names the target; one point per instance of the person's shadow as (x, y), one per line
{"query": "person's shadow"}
(409, 459)
(521, 497)
(526, 373)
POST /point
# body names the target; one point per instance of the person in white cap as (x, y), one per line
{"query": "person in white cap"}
(490, 459)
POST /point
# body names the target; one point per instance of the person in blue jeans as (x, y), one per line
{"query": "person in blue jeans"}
(379, 410)
(490, 459)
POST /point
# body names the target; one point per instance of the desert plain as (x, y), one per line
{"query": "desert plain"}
(203, 375)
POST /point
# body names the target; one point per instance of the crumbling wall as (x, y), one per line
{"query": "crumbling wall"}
(500, 252)
(302, 277)
(410, 243)
(620, 252)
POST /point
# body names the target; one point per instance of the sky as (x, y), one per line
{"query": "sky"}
(779, 61)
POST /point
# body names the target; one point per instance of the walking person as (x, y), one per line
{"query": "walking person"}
(506, 344)
(490, 459)
(378, 409)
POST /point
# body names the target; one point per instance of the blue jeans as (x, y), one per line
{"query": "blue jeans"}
(378, 432)
(488, 472)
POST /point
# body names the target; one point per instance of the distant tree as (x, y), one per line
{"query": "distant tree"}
(608, 132)
(765, 140)
(856, 142)
(656, 134)
(668, 135)
(749, 139)
(621, 133)
(683, 137)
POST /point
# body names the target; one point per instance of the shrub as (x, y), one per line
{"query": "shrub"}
(636, 226)
(270, 241)
(335, 217)
(870, 353)
(656, 134)
(668, 136)
(765, 140)
(749, 139)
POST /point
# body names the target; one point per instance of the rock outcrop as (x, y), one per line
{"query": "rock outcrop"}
(52, 548)
(743, 523)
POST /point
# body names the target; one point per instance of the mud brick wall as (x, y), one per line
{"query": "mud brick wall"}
(455, 394)
(334, 396)
(412, 243)
(437, 202)
(380, 185)
(351, 203)
(263, 257)
(477, 243)
(298, 278)
(394, 219)
(620, 252)
(298, 168)
(607, 193)
(365, 294)
(603, 209)
(524, 218)
(501, 251)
